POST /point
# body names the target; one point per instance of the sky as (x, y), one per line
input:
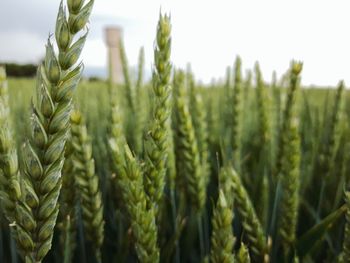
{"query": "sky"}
(208, 34)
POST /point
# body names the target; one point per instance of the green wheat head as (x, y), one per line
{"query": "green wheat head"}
(128, 86)
(68, 206)
(288, 112)
(329, 146)
(247, 86)
(9, 174)
(43, 155)
(143, 223)
(227, 109)
(156, 144)
(222, 239)
(129, 180)
(199, 118)
(187, 154)
(261, 100)
(236, 115)
(289, 172)
(345, 256)
(140, 105)
(87, 182)
(253, 231)
(243, 254)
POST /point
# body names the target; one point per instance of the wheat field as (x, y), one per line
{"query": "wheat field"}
(253, 169)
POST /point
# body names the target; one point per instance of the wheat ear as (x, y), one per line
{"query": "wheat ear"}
(222, 230)
(345, 255)
(253, 230)
(247, 86)
(187, 154)
(261, 99)
(236, 115)
(9, 176)
(88, 184)
(130, 182)
(140, 105)
(127, 82)
(227, 109)
(44, 154)
(329, 146)
(290, 165)
(222, 239)
(68, 206)
(156, 144)
(199, 118)
(243, 254)
(287, 113)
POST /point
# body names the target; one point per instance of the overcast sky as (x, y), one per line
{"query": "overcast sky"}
(207, 33)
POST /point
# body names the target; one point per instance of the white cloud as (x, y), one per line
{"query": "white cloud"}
(209, 34)
(21, 47)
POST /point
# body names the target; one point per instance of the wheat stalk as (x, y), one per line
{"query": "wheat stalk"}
(131, 103)
(276, 90)
(139, 113)
(236, 115)
(129, 180)
(287, 114)
(9, 176)
(290, 162)
(88, 184)
(199, 118)
(262, 142)
(261, 99)
(226, 109)
(44, 154)
(68, 202)
(330, 144)
(142, 220)
(345, 255)
(222, 239)
(117, 137)
(247, 90)
(128, 86)
(253, 230)
(187, 154)
(156, 144)
(290, 188)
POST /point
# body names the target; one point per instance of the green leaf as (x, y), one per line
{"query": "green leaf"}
(308, 240)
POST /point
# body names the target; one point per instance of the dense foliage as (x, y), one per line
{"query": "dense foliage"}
(19, 70)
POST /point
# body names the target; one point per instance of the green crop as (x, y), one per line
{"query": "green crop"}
(169, 169)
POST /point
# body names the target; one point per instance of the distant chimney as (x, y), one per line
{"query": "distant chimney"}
(113, 38)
